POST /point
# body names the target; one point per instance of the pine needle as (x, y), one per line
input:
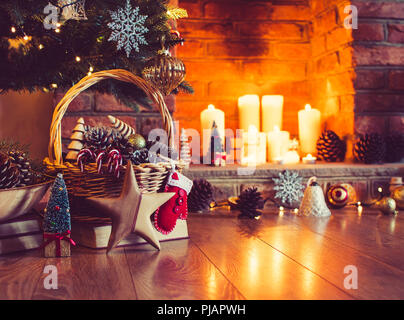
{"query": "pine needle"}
(177, 13)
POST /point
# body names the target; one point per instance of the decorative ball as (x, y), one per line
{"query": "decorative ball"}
(137, 141)
(339, 195)
(398, 196)
(164, 72)
(387, 205)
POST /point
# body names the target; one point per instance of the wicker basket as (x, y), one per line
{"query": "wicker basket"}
(150, 176)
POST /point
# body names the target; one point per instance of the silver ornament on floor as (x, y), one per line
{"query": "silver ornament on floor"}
(313, 203)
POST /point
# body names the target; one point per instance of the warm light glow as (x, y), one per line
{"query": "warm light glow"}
(309, 159)
(26, 38)
(91, 69)
(78, 59)
(89, 74)
(54, 85)
(40, 46)
(296, 211)
(58, 25)
(276, 129)
(307, 107)
(380, 189)
(13, 30)
(211, 107)
(360, 210)
(57, 30)
(252, 129)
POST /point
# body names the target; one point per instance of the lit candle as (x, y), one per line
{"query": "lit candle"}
(309, 129)
(249, 111)
(208, 116)
(272, 109)
(255, 146)
(278, 143)
(309, 159)
(291, 157)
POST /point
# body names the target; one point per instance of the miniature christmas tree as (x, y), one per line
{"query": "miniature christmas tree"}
(185, 153)
(57, 225)
(217, 152)
(76, 140)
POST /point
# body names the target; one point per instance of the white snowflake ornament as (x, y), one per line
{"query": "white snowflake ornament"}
(128, 28)
(289, 187)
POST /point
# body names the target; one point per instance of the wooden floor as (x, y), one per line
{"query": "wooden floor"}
(276, 257)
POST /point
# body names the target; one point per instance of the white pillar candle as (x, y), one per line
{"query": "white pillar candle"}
(309, 129)
(249, 111)
(208, 116)
(255, 146)
(272, 110)
(278, 143)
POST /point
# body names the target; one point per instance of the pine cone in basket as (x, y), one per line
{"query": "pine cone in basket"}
(9, 173)
(330, 147)
(394, 147)
(156, 148)
(99, 138)
(139, 156)
(249, 201)
(21, 160)
(370, 148)
(201, 196)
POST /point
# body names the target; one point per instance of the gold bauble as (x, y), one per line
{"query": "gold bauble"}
(165, 72)
(137, 141)
(398, 196)
(339, 195)
(387, 205)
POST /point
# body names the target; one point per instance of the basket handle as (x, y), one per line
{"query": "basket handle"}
(55, 141)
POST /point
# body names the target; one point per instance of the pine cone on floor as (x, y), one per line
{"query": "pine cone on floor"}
(21, 160)
(201, 196)
(394, 147)
(330, 147)
(370, 148)
(139, 156)
(249, 201)
(156, 148)
(99, 138)
(9, 174)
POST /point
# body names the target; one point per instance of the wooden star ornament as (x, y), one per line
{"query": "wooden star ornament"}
(131, 211)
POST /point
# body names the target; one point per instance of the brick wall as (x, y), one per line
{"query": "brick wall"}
(331, 71)
(239, 47)
(379, 58)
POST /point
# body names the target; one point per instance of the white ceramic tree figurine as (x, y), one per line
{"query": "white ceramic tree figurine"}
(123, 128)
(76, 140)
(185, 153)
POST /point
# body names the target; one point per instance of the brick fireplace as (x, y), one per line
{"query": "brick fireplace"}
(299, 49)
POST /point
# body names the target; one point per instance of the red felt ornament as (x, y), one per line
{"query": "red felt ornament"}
(176, 208)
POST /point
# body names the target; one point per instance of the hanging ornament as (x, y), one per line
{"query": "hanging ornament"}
(128, 28)
(339, 195)
(313, 203)
(164, 71)
(387, 205)
(73, 9)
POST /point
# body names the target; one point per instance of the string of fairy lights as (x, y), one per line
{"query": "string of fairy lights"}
(77, 58)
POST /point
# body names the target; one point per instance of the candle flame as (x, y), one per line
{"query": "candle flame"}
(307, 107)
(276, 128)
(211, 107)
(252, 128)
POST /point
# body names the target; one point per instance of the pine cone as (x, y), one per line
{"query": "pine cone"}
(394, 147)
(140, 156)
(249, 201)
(156, 148)
(330, 147)
(21, 160)
(122, 144)
(370, 148)
(201, 196)
(9, 174)
(99, 138)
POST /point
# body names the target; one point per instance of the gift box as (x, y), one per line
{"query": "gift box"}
(57, 244)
